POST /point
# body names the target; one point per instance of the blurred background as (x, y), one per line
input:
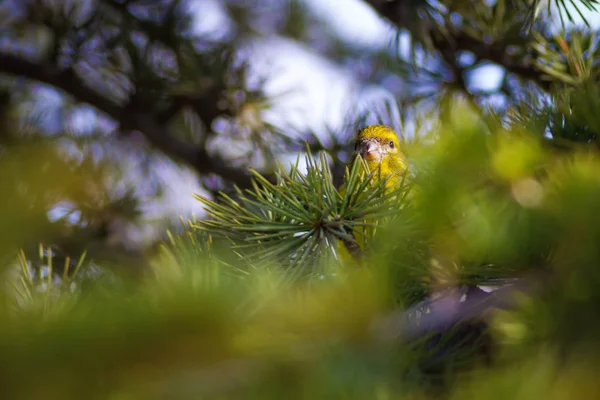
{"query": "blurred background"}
(115, 113)
(151, 101)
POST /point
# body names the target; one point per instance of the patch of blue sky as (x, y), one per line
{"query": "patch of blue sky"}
(64, 211)
(83, 120)
(486, 78)
(210, 20)
(354, 22)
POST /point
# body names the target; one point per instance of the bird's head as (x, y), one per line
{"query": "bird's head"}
(376, 143)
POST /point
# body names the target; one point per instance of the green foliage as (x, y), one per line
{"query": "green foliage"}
(570, 58)
(302, 215)
(254, 300)
(487, 205)
(577, 6)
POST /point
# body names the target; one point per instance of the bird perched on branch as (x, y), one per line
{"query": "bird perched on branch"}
(379, 147)
(450, 323)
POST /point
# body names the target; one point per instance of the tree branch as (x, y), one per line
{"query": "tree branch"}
(154, 131)
(396, 13)
(456, 305)
(155, 32)
(495, 52)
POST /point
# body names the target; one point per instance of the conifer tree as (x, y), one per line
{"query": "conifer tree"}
(252, 300)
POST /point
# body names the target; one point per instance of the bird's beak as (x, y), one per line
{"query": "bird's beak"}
(371, 151)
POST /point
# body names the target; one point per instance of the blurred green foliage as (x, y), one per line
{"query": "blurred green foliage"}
(257, 304)
(488, 204)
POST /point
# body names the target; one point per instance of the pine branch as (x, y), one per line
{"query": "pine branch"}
(298, 219)
(495, 52)
(450, 308)
(456, 40)
(156, 32)
(129, 116)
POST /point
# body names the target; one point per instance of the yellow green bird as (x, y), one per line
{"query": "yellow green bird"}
(379, 147)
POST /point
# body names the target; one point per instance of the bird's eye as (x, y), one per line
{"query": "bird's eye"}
(391, 144)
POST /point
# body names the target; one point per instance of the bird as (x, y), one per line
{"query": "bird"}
(379, 147)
